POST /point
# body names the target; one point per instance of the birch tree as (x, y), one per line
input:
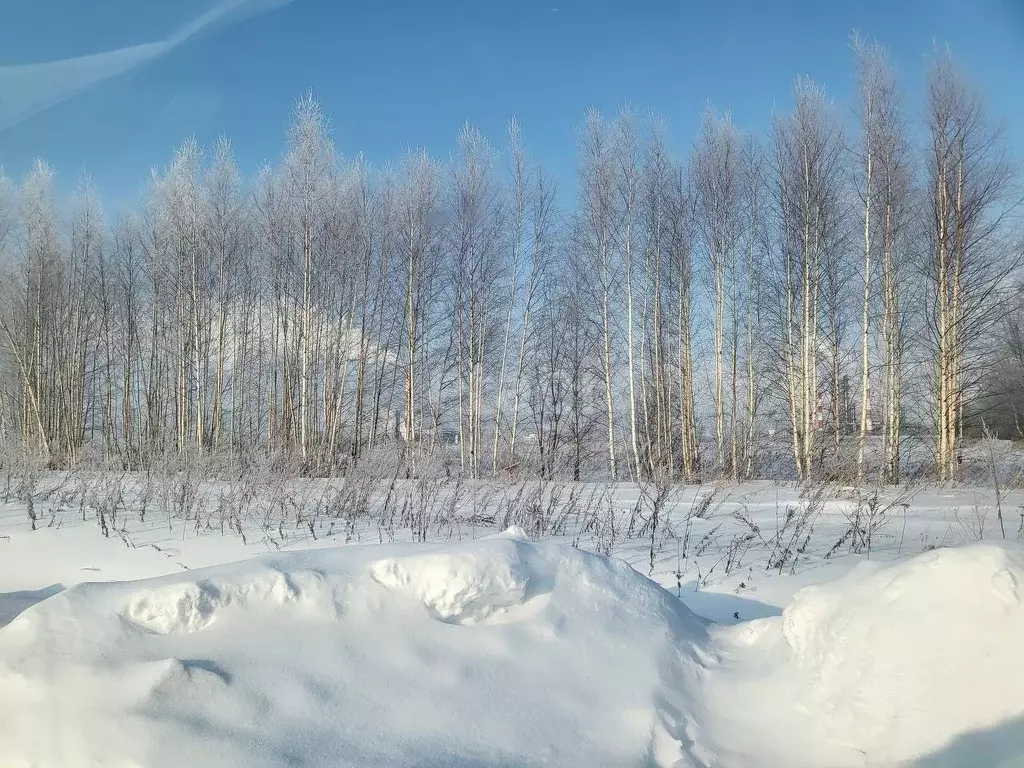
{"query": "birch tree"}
(885, 189)
(594, 232)
(308, 179)
(717, 188)
(969, 181)
(478, 277)
(628, 179)
(543, 238)
(681, 243)
(749, 316)
(659, 212)
(417, 243)
(226, 239)
(807, 158)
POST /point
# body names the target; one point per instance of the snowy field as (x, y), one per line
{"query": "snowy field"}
(159, 621)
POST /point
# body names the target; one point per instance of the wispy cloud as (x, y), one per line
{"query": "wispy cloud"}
(30, 88)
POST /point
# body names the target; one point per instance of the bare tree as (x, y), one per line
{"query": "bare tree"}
(543, 239)
(594, 233)
(418, 244)
(628, 178)
(884, 186)
(748, 307)
(718, 188)
(681, 241)
(807, 158)
(969, 185)
(308, 184)
(226, 234)
(478, 278)
(659, 213)
(333, 308)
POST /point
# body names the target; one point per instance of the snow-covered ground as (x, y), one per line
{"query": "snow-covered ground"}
(152, 626)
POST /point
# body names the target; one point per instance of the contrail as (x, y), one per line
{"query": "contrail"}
(26, 89)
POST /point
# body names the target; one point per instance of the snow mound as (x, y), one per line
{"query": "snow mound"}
(501, 652)
(898, 660)
(493, 652)
(192, 606)
(471, 585)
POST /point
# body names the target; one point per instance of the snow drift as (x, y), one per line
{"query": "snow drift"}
(915, 662)
(503, 652)
(495, 652)
(896, 660)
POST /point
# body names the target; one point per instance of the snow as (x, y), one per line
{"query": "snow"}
(498, 651)
(469, 586)
(894, 659)
(165, 646)
(884, 665)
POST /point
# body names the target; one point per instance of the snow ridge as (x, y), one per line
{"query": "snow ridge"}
(503, 651)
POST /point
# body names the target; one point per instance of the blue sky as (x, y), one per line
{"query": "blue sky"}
(394, 73)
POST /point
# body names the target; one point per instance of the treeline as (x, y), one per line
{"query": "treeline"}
(804, 294)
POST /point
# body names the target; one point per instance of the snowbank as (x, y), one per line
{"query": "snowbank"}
(896, 660)
(495, 652)
(916, 662)
(502, 652)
